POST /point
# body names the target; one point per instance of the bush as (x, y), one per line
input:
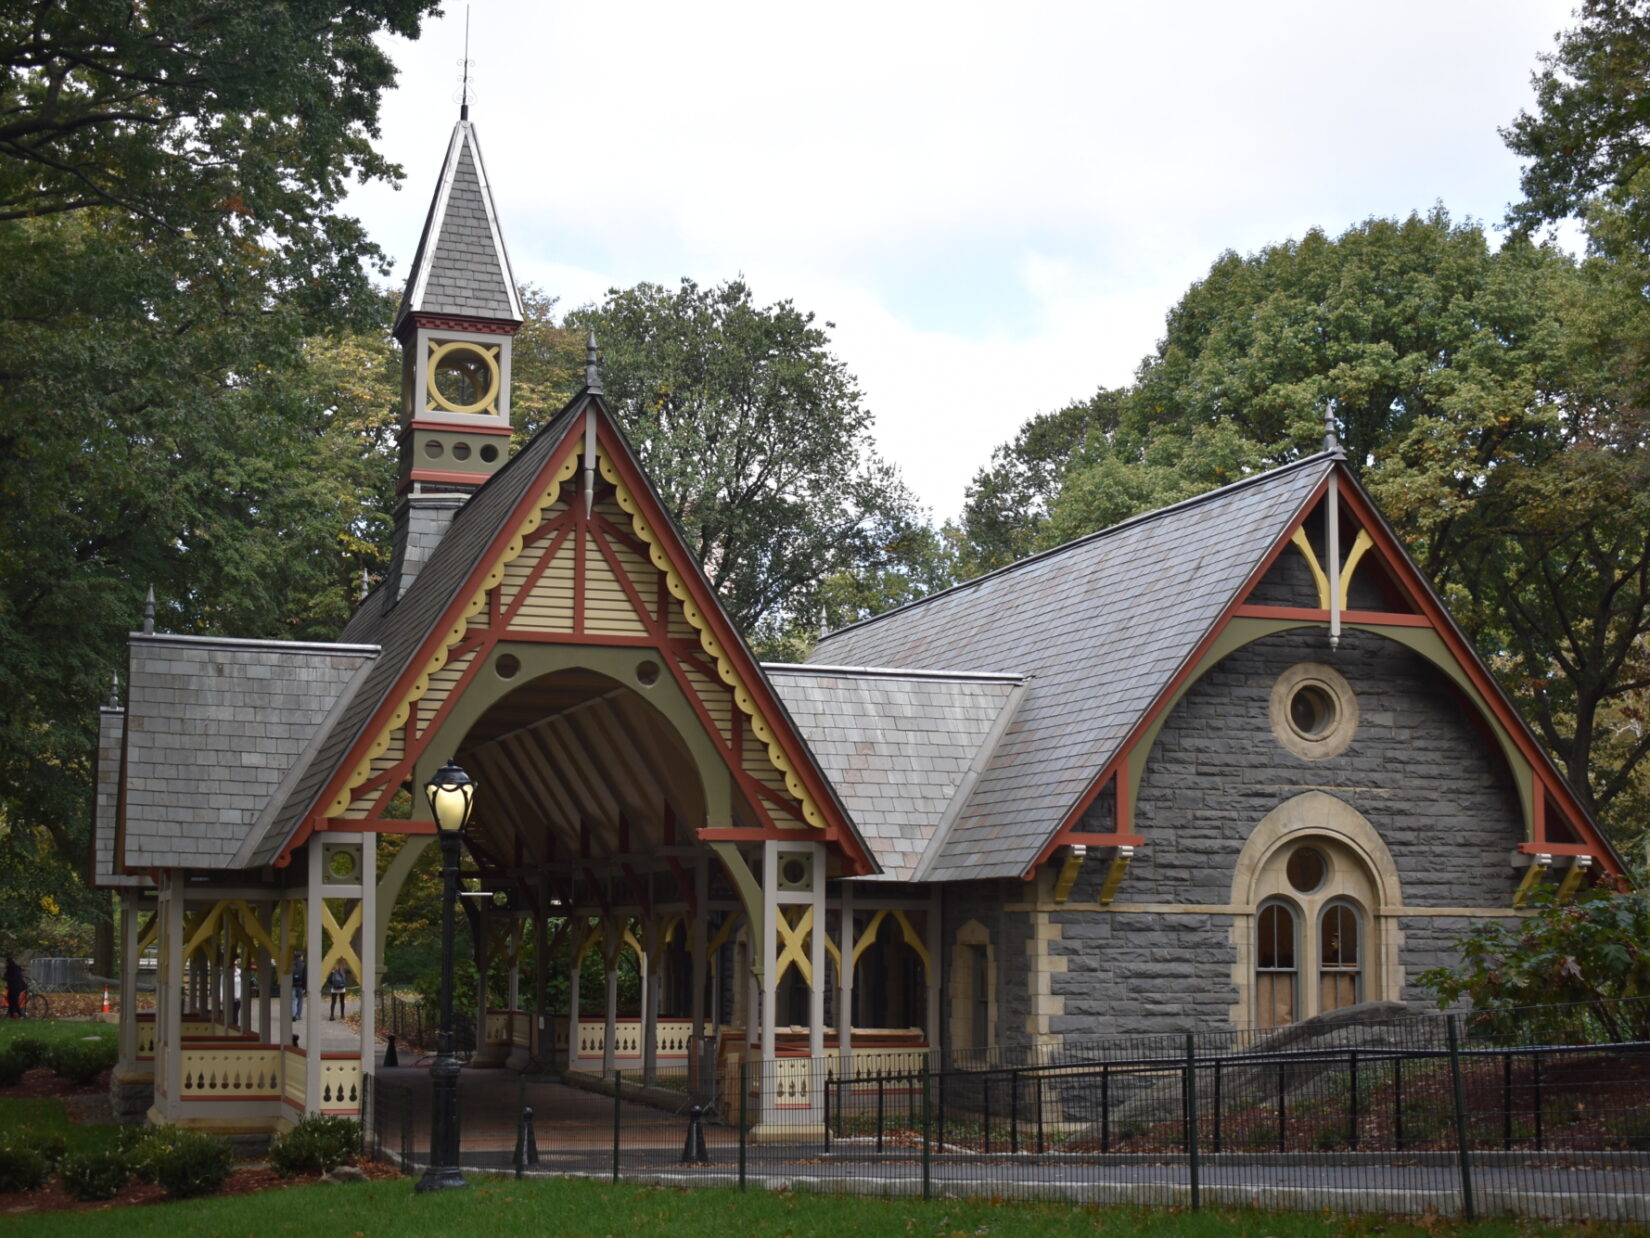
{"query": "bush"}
(184, 1162)
(82, 1061)
(22, 1168)
(317, 1144)
(11, 1069)
(89, 1176)
(29, 1050)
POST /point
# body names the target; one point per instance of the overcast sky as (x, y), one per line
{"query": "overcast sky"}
(995, 205)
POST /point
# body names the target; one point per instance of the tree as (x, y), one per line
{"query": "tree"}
(1588, 140)
(1481, 395)
(175, 272)
(1007, 506)
(1569, 970)
(756, 437)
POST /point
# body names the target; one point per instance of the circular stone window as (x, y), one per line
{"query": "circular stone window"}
(647, 673)
(1313, 711)
(508, 666)
(1306, 869)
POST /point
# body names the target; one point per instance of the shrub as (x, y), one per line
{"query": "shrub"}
(82, 1061)
(30, 1050)
(1635, 1131)
(22, 1168)
(184, 1162)
(317, 1144)
(95, 1175)
(11, 1069)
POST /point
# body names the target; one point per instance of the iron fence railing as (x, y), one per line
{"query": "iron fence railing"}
(414, 1024)
(1408, 1116)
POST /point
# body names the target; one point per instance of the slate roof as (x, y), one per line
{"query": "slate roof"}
(1099, 627)
(897, 745)
(111, 738)
(214, 729)
(461, 268)
(400, 632)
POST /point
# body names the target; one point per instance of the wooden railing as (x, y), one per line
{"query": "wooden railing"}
(230, 1072)
(673, 1041)
(341, 1083)
(190, 1028)
(508, 1027)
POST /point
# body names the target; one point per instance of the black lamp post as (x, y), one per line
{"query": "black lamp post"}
(451, 794)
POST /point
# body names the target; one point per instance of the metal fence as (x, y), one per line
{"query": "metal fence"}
(414, 1023)
(1424, 1114)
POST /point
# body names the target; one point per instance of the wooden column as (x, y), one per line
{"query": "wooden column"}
(316, 957)
(699, 945)
(128, 980)
(650, 961)
(845, 982)
(368, 953)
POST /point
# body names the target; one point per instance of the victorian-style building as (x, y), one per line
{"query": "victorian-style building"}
(1226, 764)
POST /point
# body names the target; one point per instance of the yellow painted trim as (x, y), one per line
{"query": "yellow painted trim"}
(587, 942)
(1068, 876)
(724, 933)
(455, 634)
(836, 955)
(342, 937)
(205, 926)
(488, 402)
(760, 726)
(1299, 540)
(252, 930)
(907, 931)
(1114, 877)
(793, 941)
(1572, 879)
(1531, 879)
(149, 932)
(1360, 547)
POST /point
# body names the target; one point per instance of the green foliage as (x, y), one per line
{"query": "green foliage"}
(83, 1061)
(1588, 139)
(95, 1175)
(317, 1144)
(12, 1067)
(184, 1162)
(757, 438)
(22, 1167)
(1570, 972)
(30, 1051)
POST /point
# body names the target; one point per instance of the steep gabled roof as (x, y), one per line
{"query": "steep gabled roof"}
(214, 729)
(901, 747)
(461, 268)
(1099, 627)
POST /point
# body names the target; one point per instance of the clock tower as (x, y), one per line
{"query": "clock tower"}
(456, 324)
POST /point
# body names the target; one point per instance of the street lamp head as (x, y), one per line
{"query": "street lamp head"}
(452, 794)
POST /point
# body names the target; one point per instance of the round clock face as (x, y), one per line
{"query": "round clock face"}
(464, 378)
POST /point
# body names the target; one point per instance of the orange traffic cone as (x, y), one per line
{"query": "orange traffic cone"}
(105, 1009)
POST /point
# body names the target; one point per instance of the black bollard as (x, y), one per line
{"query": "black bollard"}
(527, 1142)
(693, 1151)
(390, 1059)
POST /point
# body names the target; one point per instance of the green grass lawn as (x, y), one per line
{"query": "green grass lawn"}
(56, 1031)
(576, 1208)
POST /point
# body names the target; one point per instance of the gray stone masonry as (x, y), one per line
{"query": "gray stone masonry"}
(1419, 770)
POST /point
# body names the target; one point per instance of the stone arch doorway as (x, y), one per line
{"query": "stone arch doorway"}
(1312, 889)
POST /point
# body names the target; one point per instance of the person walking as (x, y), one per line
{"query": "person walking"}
(300, 981)
(337, 985)
(14, 989)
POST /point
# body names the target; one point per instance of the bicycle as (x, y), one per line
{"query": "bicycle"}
(32, 1003)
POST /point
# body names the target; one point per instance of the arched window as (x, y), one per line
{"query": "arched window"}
(1340, 972)
(1276, 968)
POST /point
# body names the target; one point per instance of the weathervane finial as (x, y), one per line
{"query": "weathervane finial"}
(1331, 443)
(149, 612)
(464, 71)
(114, 690)
(592, 371)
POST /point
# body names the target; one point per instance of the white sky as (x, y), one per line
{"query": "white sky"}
(995, 204)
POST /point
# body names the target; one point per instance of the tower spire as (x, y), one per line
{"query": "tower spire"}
(464, 66)
(1331, 443)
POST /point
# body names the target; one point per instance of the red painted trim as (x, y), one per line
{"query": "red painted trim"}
(456, 427)
(1106, 840)
(1407, 577)
(537, 574)
(635, 883)
(1374, 618)
(798, 753)
(618, 534)
(448, 476)
(1545, 848)
(380, 716)
(649, 620)
(736, 834)
(479, 326)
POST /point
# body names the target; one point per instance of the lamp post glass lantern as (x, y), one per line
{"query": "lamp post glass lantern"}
(451, 793)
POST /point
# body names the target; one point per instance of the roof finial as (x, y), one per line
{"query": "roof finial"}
(1331, 443)
(464, 69)
(592, 372)
(114, 690)
(149, 612)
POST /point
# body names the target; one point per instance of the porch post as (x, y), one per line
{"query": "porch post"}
(816, 961)
(169, 997)
(316, 963)
(575, 943)
(769, 947)
(369, 954)
(128, 980)
(265, 974)
(652, 956)
(700, 965)
(283, 966)
(934, 935)
(612, 944)
(845, 982)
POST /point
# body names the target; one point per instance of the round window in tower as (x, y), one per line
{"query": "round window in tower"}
(1306, 869)
(463, 378)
